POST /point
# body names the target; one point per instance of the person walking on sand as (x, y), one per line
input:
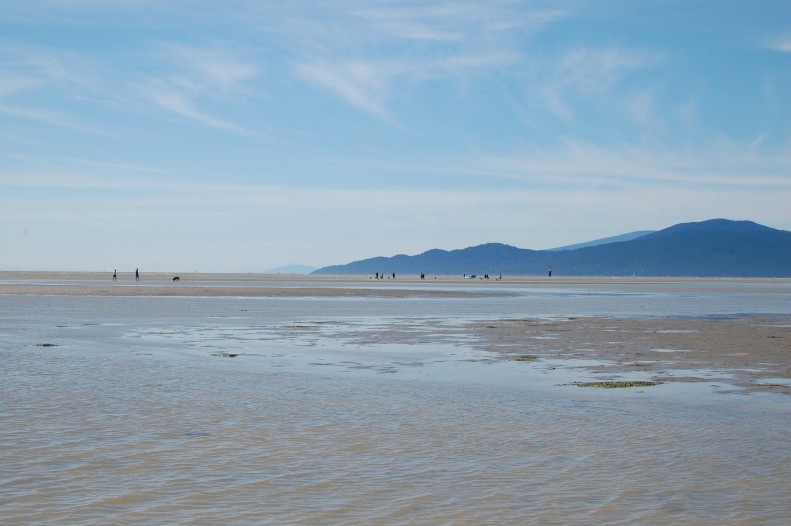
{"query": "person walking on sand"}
(137, 274)
(115, 275)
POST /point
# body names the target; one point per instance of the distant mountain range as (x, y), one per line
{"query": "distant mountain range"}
(713, 248)
(604, 241)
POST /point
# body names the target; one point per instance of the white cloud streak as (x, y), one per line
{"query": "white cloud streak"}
(455, 22)
(574, 164)
(211, 69)
(194, 75)
(176, 102)
(449, 41)
(368, 84)
(51, 117)
(11, 84)
(360, 84)
(595, 70)
(594, 74)
(198, 77)
(781, 43)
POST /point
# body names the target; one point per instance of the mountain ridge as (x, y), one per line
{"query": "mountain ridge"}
(605, 240)
(711, 248)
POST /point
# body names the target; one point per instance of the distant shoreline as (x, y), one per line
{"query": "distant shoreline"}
(160, 276)
(308, 285)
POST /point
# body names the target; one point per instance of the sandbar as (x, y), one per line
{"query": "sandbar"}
(224, 285)
(301, 285)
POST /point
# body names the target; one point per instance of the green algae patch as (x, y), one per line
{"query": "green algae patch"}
(617, 384)
(523, 358)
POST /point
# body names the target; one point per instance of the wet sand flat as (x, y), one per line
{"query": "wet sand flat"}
(221, 285)
(347, 400)
(669, 349)
(740, 352)
(193, 291)
(747, 348)
(287, 285)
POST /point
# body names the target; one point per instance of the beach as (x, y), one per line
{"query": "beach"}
(749, 346)
(276, 399)
(213, 285)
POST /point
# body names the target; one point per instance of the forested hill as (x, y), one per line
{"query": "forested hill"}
(713, 248)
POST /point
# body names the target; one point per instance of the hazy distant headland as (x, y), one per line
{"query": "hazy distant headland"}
(291, 269)
(713, 248)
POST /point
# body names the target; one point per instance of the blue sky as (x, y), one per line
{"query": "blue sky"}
(239, 136)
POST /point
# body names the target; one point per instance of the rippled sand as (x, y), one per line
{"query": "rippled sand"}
(351, 401)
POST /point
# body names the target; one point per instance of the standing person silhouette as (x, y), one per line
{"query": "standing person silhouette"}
(137, 274)
(115, 276)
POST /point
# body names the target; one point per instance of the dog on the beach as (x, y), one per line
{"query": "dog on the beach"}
(176, 278)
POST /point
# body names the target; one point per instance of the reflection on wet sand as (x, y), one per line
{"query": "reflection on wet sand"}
(397, 409)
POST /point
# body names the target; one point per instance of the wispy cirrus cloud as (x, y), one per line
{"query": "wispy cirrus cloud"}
(781, 43)
(211, 69)
(177, 102)
(594, 70)
(11, 83)
(368, 84)
(42, 84)
(48, 116)
(583, 74)
(70, 71)
(454, 22)
(641, 107)
(202, 77)
(389, 46)
(577, 162)
(361, 84)
(175, 77)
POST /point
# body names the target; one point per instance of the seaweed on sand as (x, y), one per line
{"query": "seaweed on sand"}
(523, 358)
(617, 384)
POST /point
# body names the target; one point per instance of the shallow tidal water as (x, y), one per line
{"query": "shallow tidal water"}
(150, 410)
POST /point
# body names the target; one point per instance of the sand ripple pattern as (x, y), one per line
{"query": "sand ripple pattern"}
(110, 428)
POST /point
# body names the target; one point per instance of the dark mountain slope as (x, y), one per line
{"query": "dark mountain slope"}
(605, 240)
(462, 261)
(714, 248)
